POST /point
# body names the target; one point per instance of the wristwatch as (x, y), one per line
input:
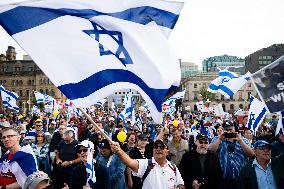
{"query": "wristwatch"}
(70, 162)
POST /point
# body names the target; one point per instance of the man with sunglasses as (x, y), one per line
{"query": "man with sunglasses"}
(199, 167)
(163, 174)
(263, 172)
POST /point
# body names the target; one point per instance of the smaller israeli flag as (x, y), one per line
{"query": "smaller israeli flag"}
(9, 98)
(101, 102)
(128, 110)
(228, 83)
(280, 122)
(257, 113)
(35, 110)
(113, 109)
(43, 97)
(90, 168)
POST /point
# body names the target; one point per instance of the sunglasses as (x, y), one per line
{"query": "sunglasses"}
(266, 147)
(161, 146)
(82, 150)
(203, 142)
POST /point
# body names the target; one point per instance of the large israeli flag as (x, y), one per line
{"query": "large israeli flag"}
(9, 98)
(228, 83)
(101, 46)
(257, 113)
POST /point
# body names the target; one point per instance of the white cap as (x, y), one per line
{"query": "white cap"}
(86, 143)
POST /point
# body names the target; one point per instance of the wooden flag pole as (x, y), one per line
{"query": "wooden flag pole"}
(94, 123)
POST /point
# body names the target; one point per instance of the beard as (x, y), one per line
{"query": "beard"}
(201, 151)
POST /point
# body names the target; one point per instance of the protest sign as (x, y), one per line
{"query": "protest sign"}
(269, 82)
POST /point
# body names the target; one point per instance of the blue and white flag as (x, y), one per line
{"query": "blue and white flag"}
(99, 46)
(90, 168)
(128, 111)
(280, 123)
(43, 98)
(178, 95)
(256, 114)
(35, 110)
(113, 109)
(9, 98)
(101, 102)
(22, 164)
(228, 83)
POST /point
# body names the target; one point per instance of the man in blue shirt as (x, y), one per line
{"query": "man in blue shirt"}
(233, 152)
(263, 172)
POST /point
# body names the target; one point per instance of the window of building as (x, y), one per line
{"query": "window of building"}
(27, 93)
(20, 82)
(20, 93)
(195, 85)
(46, 91)
(232, 106)
(195, 96)
(241, 106)
(29, 82)
(41, 91)
(52, 92)
(222, 97)
(40, 81)
(31, 69)
(249, 93)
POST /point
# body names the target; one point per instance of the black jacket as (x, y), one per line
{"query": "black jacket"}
(248, 175)
(190, 169)
(78, 177)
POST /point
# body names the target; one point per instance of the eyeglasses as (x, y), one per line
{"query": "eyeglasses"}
(266, 147)
(203, 142)
(8, 136)
(38, 125)
(82, 150)
(161, 146)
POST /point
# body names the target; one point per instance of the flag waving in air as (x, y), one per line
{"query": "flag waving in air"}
(228, 83)
(100, 46)
(257, 113)
(9, 98)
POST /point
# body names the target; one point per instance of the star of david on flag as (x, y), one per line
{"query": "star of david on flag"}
(256, 114)
(102, 47)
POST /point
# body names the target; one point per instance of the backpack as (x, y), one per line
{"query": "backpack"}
(150, 167)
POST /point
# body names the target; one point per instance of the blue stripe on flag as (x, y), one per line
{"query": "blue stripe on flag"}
(226, 90)
(9, 93)
(226, 74)
(5, 103)
(213, 87)
(259, 117)
(30, 17)
(106, 77)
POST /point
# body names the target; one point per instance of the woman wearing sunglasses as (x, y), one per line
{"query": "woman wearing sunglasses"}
(41, 149)
(200, 168)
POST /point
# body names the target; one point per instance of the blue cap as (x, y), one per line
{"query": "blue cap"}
(261, 144)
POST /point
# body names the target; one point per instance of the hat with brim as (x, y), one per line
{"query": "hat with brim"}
(86, 144)
(201, 137)
(104, 144)
(34, 179)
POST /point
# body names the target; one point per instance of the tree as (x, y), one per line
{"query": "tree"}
(206, 94)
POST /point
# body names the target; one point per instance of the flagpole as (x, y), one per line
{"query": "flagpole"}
(92, 121)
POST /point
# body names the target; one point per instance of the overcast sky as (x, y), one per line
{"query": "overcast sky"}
(215, 27)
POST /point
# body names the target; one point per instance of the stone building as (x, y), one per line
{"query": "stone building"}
(194, 84)
(263, 57)
(23, 77)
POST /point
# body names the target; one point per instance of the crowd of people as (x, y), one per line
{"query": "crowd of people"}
(196, 150)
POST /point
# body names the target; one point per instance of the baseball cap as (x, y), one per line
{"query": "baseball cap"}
(157, 142)
(86, 143)
(261, 144)
(227, 123)
(34, 179)
(104, 144)
(53, 122)
(142, 136)
(201, 137)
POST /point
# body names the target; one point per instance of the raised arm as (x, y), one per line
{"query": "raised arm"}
(131, 163)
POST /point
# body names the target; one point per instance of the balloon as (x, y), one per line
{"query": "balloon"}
(175, 123)
(121, 136)
(55, 113)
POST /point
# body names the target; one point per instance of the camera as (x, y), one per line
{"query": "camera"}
(230, 135)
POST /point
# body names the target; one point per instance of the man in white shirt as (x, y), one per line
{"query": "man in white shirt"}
(163, 174)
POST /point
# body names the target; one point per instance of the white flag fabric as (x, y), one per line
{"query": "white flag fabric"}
(256, 114)
(43, 97)
(101, 102)
(9, 98)
(90, 49)
(280, 123)
(128, 111)
(178, 95)
(35, 110)
(90, 168)
(228, 83)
